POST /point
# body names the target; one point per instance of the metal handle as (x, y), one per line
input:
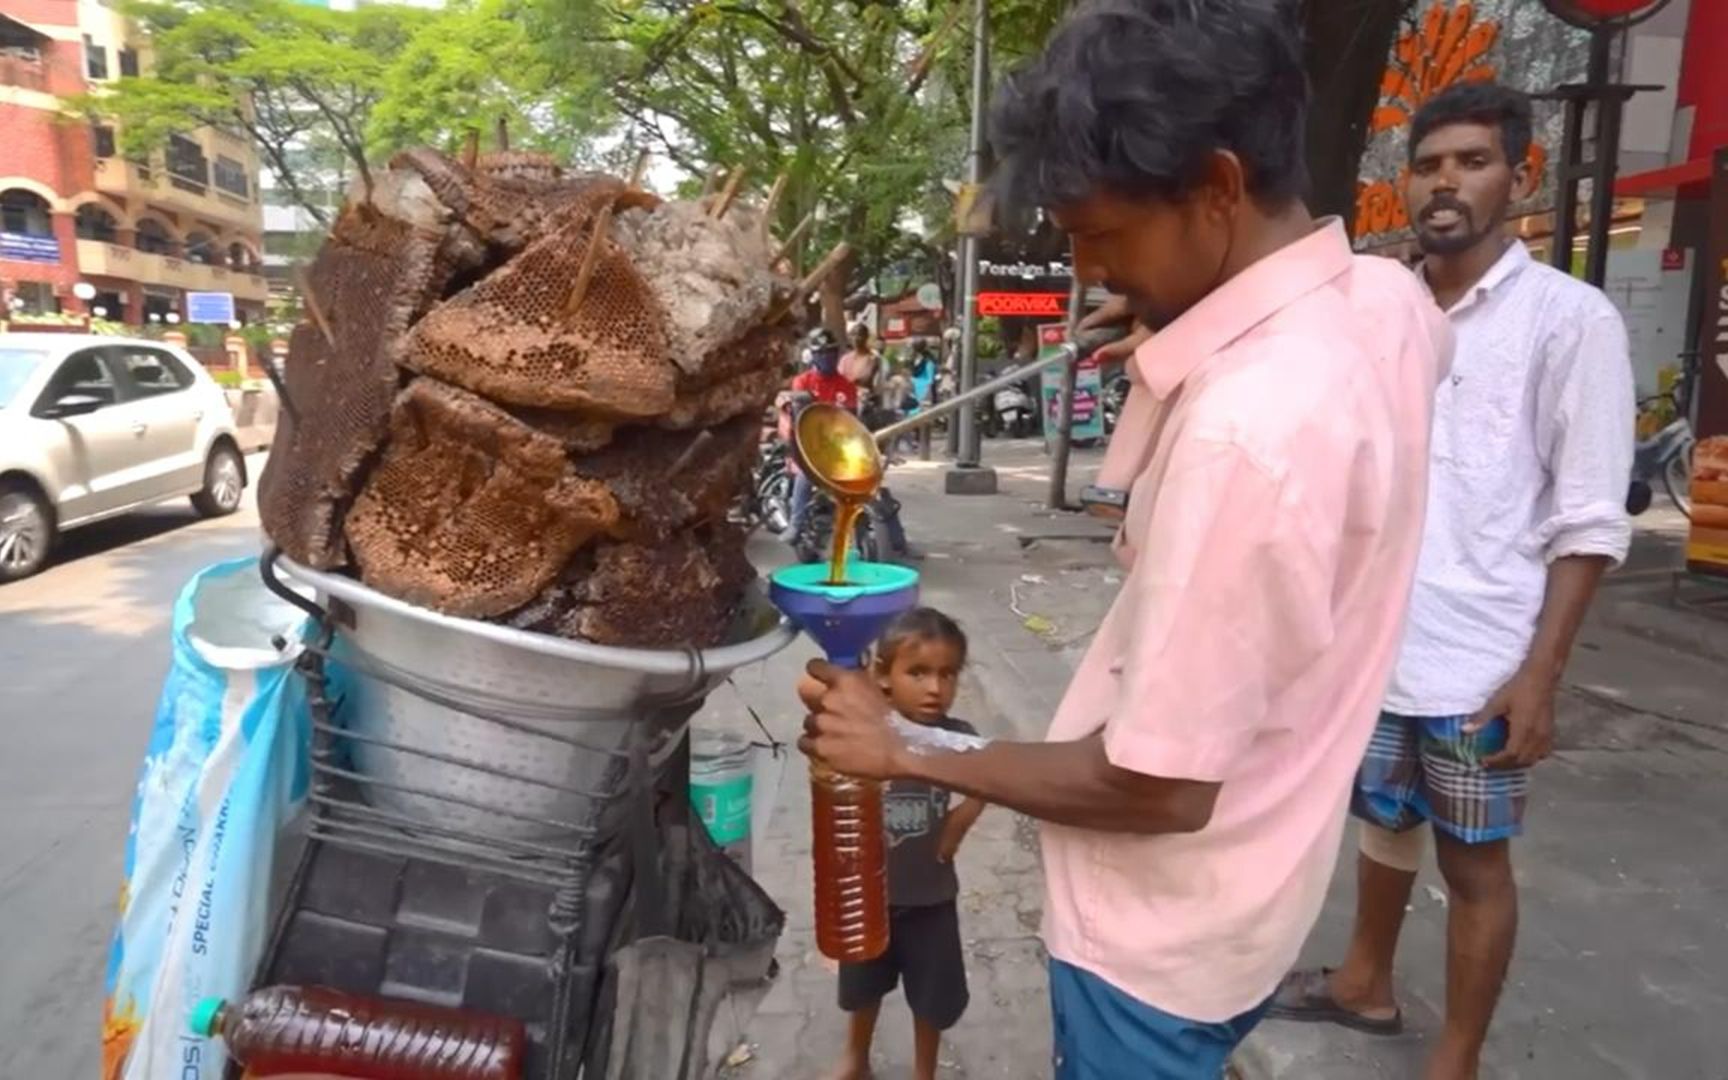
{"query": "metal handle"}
(1071, 352)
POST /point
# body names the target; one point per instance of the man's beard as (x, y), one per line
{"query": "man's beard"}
(1453, 243)
(1450, 244)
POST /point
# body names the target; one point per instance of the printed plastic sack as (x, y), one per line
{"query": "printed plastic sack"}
(225, 769)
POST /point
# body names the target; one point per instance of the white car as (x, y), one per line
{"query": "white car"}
(94, 426)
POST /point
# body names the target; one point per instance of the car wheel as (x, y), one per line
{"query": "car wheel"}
(224, 482)
(26, 531)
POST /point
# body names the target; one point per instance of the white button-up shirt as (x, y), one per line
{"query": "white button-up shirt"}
(1532, 455)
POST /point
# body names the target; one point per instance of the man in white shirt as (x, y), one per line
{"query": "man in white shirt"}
(1531, 456)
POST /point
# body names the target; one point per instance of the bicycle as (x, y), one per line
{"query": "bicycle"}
(1667, 452)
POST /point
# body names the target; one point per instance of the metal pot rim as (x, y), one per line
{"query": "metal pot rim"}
(715, 661)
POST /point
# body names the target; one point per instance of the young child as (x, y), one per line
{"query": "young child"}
(918, 661)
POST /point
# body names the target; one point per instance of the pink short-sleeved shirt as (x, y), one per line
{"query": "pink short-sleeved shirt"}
(1276, 444)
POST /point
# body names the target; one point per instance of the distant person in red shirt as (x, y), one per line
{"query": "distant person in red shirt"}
(821, 381)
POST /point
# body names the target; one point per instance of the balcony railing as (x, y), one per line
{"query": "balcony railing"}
(117, 177)
(112, 260)
(23, 73)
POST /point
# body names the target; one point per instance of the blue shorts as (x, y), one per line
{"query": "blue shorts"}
(1425, 768)
(1103, 1034)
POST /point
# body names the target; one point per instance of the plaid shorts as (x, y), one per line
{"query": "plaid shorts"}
(1425, 768)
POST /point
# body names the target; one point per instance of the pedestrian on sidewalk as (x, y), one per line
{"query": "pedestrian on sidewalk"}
(862, 364)
(1526, 509)
(918, 665)
(1275, 447)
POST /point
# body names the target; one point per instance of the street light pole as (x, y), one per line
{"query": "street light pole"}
(968, 477)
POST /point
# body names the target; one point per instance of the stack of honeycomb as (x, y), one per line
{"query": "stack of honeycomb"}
(530, 396)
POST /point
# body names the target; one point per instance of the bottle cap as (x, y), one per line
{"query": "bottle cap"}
(204, 1015)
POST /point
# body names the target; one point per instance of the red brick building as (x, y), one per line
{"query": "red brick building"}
(137, 235)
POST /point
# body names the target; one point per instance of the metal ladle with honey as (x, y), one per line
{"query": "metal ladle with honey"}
(844, 458)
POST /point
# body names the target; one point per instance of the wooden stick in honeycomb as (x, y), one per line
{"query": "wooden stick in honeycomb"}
(598, 238)
(313, 309)
(723, 201)
(793, 237)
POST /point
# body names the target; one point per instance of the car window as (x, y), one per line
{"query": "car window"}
(151, 371)
(82, 374)
(16, 368)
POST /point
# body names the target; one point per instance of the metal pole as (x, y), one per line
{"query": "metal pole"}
(970, 449)
(1607, 155)
(1058, 499)
(1566, 208)
(1572, 165)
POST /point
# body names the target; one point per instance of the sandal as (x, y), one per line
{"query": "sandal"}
(1305, 996)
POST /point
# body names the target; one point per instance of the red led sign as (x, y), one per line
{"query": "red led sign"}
(1018, 303)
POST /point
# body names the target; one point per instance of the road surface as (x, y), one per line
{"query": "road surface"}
(83, 648)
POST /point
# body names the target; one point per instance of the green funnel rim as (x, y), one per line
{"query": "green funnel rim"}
(863, 579)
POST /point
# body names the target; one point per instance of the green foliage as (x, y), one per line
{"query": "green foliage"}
(477, 65)
(838, 96)
(327, 95)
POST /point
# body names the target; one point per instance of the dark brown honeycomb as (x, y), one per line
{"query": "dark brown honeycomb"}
(511, 337)
(470, 512)
(371, 280)
(712, 467)
(679, 592)
(562, 466)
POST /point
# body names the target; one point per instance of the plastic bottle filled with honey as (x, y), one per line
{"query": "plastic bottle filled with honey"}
(311, 1029)
(851, 866)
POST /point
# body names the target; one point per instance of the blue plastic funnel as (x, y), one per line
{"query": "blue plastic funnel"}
(846, 619)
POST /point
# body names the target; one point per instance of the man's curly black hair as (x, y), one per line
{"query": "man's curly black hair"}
(1132, 97)
(1487, 103)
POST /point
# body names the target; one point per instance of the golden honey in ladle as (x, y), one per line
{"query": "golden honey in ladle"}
(842, 458)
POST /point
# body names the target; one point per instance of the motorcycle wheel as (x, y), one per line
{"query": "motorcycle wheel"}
(1677, 478)
(866, 538)
(774, 503)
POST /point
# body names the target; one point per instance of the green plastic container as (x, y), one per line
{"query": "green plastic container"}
(722, 776)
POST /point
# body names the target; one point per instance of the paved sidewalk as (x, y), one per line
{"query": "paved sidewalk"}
(1622, 968)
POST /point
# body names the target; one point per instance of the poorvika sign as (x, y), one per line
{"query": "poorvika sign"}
(1023, 287)
(1002, 304)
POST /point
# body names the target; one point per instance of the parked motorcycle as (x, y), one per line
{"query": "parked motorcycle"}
(815, 538)
(1016, 411)
(769, 502)
(1115, 397)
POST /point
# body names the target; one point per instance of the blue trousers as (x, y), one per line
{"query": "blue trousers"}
(1104, 1034)
(802, 492)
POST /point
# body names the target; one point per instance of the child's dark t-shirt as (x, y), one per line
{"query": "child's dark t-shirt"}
(913, 814)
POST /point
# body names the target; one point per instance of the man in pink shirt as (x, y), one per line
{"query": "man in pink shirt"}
(1275, 445)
